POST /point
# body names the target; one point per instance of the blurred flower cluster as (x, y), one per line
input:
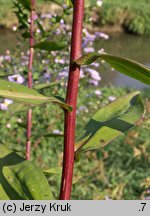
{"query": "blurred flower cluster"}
(50, 66)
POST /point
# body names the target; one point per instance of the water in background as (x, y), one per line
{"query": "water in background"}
(134, 47)
(130, 46)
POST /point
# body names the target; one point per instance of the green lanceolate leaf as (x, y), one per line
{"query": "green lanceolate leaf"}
(21, 179)
(25, 3)
(52, 135)
(45, 85)
(110, 122)
(41, 28)
(17, 108)
(50, 46)
(54, 170)
(4, 74)
(27, 96)
(69, 3)
(126, 66)
(58, 2)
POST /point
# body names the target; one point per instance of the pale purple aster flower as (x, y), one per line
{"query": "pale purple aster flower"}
(95, 64)
(89, 49)
(64, 73)
(91, 37)
(61, 61)
(98, 92)
(88, 38)
(24, 57)
(56, 131)
(47, 76)
(94, 82)
(87, 43)
(54, 53)
(64, 6)
(62, 22)
(102, 35)
(24, 63)
(44, 16)
(82, 73)
(16, 78)
(4, 105)
(82, 108)
(35, 17)
(7, 58)
(147, 198)
(38, 31)
(57, 31)
(111, 98)
(94, 74)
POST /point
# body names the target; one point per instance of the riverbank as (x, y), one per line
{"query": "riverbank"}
(113, 16)
(131, 16)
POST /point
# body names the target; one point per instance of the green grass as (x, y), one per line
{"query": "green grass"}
(116, 171)
(132, 16)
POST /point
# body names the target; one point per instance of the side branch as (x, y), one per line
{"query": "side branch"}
(31, 54)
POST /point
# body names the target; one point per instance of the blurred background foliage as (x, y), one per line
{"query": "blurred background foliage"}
(131, 16)
(117, 171)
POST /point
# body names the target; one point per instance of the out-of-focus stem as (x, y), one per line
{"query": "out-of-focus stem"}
(71, 99)
(31, 53)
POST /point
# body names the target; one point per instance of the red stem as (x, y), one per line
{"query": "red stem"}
(31, 53)
(71, 99)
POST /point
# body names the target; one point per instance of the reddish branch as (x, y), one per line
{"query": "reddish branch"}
(71, 99)
(31, 53)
